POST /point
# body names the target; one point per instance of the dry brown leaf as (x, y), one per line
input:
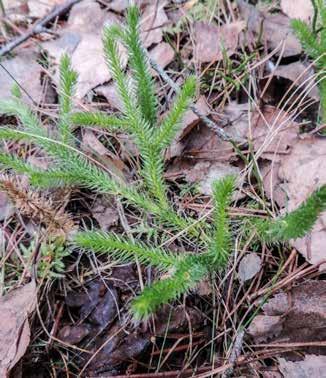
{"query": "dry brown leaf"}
(273, 132)
(91, 144)
(14, 327)
(265, 327)
(151, 23)
(118, 5)
(275, 29)
(206, 173)
(163, 54)
(249, 266)
(236, 117)
(16, 10)
(22, 68)
(296, 316)
(82, 39)
(310, 366)
(40, 8)
(272, 183)
(301, 9)
(303, 170)
(105, 212)
(6, 207)
(302, 76)
(190, 119)
(210, 40)
(109, 91)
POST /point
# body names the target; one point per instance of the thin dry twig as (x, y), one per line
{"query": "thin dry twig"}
(39, 27)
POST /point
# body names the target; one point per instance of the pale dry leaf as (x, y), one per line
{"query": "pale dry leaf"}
(6, 207)
(90, 64)
(151, 23)
(273, 133)
(210, 40)
(121, 5)
(41, 8)
(272, 183)
(118, 5)
(236, 116)
(105, 212)
(82, 39)
(301, 9)
(303, 171)
(264, 327)
(215, 172)
(249, 266)
(16, 10)
(21, 68)
(109, 91)
(298, 314)
(14, 327)
(301, 75)
(189, 120)
(274, 29)
(311, 366)
(163, 54)
(91, 144)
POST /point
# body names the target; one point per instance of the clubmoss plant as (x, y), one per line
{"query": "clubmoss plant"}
(150, 194)
(313, 41)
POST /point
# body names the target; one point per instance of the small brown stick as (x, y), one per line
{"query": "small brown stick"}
(235, 353)
(39, 27)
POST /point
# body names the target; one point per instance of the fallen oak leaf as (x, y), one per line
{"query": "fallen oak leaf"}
(310, 366)
(303, 171)
(14, 326)
(274, 29)
(301, 9)
(211, 41)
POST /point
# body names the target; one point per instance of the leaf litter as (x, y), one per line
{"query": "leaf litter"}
(290, 163)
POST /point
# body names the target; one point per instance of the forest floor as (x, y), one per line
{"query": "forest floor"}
(64, 313)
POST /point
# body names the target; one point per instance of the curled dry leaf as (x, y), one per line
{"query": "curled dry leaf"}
(211, 41)
(235, 115)
(301, 9)
(249, 266)
(310, 366)
(303, 171)
(14, 327)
